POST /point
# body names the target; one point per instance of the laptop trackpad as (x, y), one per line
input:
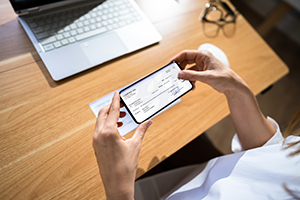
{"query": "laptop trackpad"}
(104, 48)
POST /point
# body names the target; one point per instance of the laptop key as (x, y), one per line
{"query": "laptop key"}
(91, 33)
(110, 27)
(38, 30)
(92, 21)
(60, 31)
(93, 27)
(42, 35)
(48, 47)
(99, 25)
(57, 44)
(122, 23)
(104, 23)
(48, 40)
(30, 20)
(116, 25)
(72, 39)
(64, 42)
(33, 24)
(80, 24)
(47, 27)
(124, 17)
(59, 37)
(87, 29)
(73, 26)
(67, 28)
(41, 23)
(73, 32)
(80, 30)
(67, 34)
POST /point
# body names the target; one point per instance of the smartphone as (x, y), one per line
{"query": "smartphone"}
(146, 97)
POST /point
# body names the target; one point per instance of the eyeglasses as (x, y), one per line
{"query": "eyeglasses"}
(213, 18)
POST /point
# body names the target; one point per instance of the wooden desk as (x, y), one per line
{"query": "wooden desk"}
(46, 127)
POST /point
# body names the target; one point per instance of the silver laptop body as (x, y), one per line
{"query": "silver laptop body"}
(86, 34)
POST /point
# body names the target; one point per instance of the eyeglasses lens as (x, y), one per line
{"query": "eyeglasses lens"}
(210, 29)
(213, 15)
(229, 29)
(229, 18)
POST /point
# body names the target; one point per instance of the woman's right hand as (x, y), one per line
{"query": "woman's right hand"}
(252, 127)
(208, 69)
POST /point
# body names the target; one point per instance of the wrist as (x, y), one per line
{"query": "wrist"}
(237, 89)
(120, 195)
(120, 190)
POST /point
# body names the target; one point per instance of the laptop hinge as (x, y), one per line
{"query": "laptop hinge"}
(33, 10)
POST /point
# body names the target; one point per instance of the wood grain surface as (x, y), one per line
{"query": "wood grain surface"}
(46, 127)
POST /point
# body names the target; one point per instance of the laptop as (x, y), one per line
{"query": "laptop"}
(74, 35)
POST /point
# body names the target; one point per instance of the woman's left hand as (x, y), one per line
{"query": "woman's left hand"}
(117, 157)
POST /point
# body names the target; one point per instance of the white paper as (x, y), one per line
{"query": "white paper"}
(128, 123)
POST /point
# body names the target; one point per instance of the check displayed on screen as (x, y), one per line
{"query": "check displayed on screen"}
(153, 93)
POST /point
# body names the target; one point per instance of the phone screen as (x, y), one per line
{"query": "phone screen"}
(149, 95)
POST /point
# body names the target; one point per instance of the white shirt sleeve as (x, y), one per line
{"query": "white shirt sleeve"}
(277, 138)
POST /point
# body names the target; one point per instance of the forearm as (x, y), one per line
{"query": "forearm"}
(252, 127)
(118, 181)
(128, 195)
(118, 189)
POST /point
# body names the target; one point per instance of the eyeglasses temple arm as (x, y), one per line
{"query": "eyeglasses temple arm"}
(225, 6)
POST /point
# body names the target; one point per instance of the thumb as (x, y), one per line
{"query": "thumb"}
(191, 75)
(141, 130)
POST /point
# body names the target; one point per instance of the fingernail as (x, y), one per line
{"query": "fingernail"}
(181, 74)
(150, 122)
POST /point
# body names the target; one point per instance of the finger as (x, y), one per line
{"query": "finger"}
(141, 130)
(182, 64)
(194, 85)
(187, 57)
(193, 82)
(194, 67)
(114, 110)
(122, 114)
(102, 115)
(180, 59)
(103, 111)
(198, 67)
(192, 75)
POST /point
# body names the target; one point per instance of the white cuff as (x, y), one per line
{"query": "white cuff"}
(275, 139)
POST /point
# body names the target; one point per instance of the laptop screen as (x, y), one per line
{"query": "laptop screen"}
(25, 4)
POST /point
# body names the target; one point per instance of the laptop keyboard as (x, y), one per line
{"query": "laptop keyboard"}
(66, 27)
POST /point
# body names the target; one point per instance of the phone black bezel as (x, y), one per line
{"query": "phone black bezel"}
(142, 80)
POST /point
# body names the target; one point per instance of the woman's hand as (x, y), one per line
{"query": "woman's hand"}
(117, 157)
(252, 127)
(207, 69)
